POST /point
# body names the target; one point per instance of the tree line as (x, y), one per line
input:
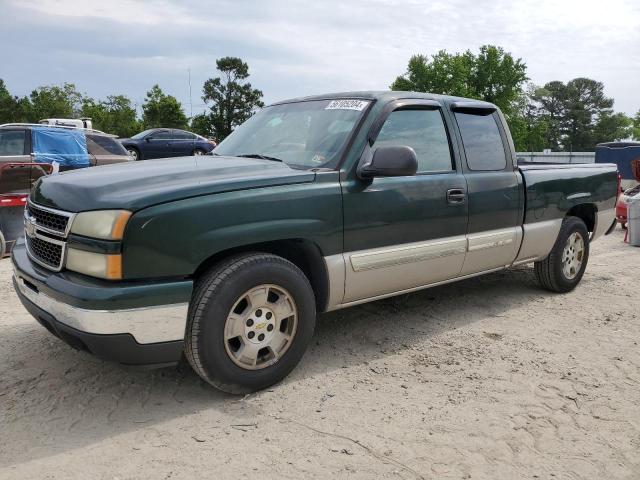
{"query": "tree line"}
(230, 100)
(571, 116)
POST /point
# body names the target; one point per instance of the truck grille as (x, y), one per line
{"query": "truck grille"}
(46, 233)
(48, 219)
(45, 252)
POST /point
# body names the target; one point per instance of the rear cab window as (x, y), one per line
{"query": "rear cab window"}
(482, 142)
(13, 142)
(424, 131)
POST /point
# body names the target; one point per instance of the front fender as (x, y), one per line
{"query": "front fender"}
(173, 239)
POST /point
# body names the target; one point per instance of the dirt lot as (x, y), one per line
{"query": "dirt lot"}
(490, 378)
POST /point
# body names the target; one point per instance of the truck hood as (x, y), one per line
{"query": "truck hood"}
(137, 185)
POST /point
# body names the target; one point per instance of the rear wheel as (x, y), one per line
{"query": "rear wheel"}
(199, 151)
(563, 269)
(250, 320)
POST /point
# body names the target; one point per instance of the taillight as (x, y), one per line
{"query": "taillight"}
(13, 200)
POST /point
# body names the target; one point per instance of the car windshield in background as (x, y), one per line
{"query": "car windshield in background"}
(302, 134)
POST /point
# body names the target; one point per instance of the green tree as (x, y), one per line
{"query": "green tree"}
(586, 105)
(9, 106)
(201, 124)
(528, 128)
(492, 75)
(114, 115)
(552, 105)
(611, 127)
(54, 102)
(579, 115)
(161, 110)
(233, 100)
(636, 127)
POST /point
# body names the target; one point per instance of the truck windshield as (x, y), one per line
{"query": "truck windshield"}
(302, 134)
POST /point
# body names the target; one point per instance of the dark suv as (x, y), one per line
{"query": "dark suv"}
(166, 142)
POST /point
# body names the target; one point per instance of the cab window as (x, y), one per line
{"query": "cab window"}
(482, 142)
(422, 130)
(12, 142)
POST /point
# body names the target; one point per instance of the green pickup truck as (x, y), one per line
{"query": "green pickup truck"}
(312, 205)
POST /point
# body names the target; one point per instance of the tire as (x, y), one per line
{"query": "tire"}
(198, 152)
(3, 246)
(223, 304)
(563, 269)
(134, 153)
(623, 225)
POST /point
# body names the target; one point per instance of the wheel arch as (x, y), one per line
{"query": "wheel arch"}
(136, 148)
(304, 254)
(585, 212)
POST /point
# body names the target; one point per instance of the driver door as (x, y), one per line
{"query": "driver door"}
(401, 233)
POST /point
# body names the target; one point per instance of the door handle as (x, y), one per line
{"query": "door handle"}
(456, 196)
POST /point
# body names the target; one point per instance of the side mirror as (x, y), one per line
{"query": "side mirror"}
(148, 139)
(390, 161)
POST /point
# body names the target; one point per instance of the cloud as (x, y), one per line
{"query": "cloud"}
(298, 48)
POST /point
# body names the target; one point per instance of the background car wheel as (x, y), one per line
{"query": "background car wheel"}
(562, 270)
(250, 321)
(199, 151)
(3, 246)
(133, 153)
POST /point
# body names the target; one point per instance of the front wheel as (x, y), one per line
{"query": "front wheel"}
(563, 269)
(250, 320)
(3, 246)
(133, 153)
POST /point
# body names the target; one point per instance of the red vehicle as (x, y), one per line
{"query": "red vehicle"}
(12, 203)
(625, 197)
(627, 156)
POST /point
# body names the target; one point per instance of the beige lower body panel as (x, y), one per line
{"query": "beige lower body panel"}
(363, 276)
(604, 219)
(538, 240)
(492, 249)
(382, 270)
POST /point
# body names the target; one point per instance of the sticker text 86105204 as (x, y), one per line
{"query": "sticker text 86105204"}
(347, 104)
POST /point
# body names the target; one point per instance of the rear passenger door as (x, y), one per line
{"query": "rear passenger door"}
(182, 143)
(494, 233)
(401, 233)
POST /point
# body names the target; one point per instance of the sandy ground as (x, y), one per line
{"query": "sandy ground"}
(491, 378)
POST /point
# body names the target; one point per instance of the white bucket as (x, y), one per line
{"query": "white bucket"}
(633, 221)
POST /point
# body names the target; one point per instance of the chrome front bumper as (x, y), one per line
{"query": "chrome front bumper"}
(163, 323)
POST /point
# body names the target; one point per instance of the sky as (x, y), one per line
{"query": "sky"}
(297, 48)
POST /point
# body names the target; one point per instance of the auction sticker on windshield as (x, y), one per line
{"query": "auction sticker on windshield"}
(347, 104)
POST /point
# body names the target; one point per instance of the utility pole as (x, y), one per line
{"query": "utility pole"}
(190, 100)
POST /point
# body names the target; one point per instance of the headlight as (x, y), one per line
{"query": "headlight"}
(99, 265)
(103, 224)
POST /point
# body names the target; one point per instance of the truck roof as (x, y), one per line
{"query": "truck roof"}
(382, 95)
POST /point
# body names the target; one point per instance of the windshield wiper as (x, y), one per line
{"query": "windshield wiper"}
(260, 156)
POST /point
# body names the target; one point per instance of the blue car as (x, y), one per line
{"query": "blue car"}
(166, 142)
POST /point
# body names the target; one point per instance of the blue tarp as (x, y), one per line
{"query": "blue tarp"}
(64, 146)
(620, 153)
